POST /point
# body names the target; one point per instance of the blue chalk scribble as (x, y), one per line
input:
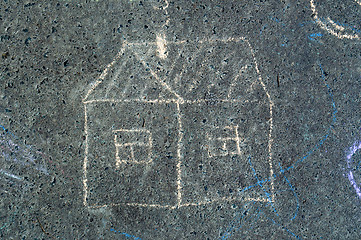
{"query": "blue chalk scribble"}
(314, 36)
(262, 29)
(127, 235)
(260, 183)
(239, 221)
(277, 20)
(292, 189)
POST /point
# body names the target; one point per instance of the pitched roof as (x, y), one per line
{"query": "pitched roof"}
(161, 70)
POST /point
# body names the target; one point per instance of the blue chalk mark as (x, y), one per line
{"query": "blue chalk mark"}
(356, 146)
(240, 221)
(283, 227)
(26, 156)
(127, 235)
(313, 36)
(263, 28)
(260, 184)
(7, 130)
(285, 41)
(282, 171)
(294, 193)
(237, 220)
(256, 185)
(259, 211)
(323, 138)
(304, 23)
(292, 189)
(277, 20)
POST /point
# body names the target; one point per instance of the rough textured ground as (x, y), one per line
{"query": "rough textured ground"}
(244, 118)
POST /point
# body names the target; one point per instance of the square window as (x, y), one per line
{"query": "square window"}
(132, 146)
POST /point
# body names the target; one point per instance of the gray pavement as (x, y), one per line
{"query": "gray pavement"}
(180, 119)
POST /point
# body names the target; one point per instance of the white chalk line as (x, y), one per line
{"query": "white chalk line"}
(117, 73)
(161, 46)
(200, 67)
(17, 184)
(85, 165)
(270, 139)
(176, 62)
(193, 58)
(324, 26)
(105, 72)
(11, 175)
(224, 140)
(131, 145)
(224, 199)
(168, 101)
(126, 45)
(179, 156)
(162, 83)
(234, 82)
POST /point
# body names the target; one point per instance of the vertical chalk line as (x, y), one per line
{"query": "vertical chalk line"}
(85, 171)
(179, 156)
(270, 139)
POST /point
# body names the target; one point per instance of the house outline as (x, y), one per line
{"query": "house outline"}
(178, 100)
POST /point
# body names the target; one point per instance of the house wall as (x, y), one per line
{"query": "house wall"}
(150, 182)
(219, 138)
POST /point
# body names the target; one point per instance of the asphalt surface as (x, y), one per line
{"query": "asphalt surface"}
(180, 119)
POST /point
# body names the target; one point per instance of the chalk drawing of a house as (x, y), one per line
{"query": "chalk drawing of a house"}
(172, 124)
